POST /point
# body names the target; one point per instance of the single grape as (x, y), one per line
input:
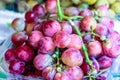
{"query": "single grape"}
(50, 27)
(41, 61)
(46, 45)
(75, 73)
(88, 23)
(19, 38)
(87, 38)
(101, 29)
(34, 38)
(17, 67)
(30, 17)
(72, 57)
(18, 24)
(10, 55)
(25, 53)
(71, 11)
(48, 73)
(76, 42)
(61, 39)
(94, 48)
(104, 62)
(51, 6)
(39, 10)
(65, 26)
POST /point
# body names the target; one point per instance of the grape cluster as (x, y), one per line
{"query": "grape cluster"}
(63, 43)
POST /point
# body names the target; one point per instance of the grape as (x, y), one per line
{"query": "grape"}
(61, 39)
(25, 53)
(101, 29)
(90, 2)
(19, 38)
(102, 2)
(61, 76)
(102, 11)
(30, 17)
(48, 73)
(94, 48)
(88, 23)
(76, 2)
(75, 73)
(51, 6)
(111, 14)
(76, 42)
(17, 67)
(50, 27)
(29, 28)
(38, 26)
(104, 62)
(66, 3)
(18, 24)
(71, 11)
(85, 12)
(115, 6)
(34, 38)
(109, 23)
(86, 68)
(39, 10)
(83, 6)
(111, 47)
(65, 26)
(10, 55)
(41, 61)
(72, 57)
(46, 45)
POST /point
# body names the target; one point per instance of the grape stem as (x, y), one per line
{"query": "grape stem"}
(61, 17)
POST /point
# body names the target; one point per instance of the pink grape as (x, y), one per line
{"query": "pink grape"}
(46, 45)
(72, 57)
(61, 76)
(85, 12)
(41, 61)
(76, 42)
(50, 27)
(34, 38)
(61, 39)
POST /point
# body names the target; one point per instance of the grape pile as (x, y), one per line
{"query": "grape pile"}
(63, 43)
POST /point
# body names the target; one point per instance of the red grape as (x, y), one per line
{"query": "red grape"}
(104, 62)
(10, 55)
(65, 26)
(41, 61)
(88, 23)
(72, 57)
(48, 73)
(30, 17)
(75, 73)
(76, 42)
(34, 38)
(19, 38)
(39, 10)
(94, 48)
(61, 76)
(25, 53)
(71, 11)
(50, 27)
(18, 24)
(61, 39)
(51, 6)
(17, 67)
(46, 45)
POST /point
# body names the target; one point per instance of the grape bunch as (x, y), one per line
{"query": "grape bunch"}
(56, 42)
